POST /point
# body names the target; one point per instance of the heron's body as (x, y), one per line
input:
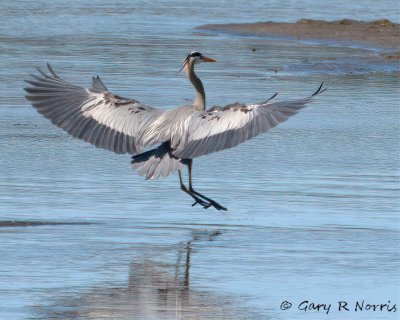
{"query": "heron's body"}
(127, 126)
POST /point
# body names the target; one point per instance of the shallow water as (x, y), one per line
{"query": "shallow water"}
(313, 205)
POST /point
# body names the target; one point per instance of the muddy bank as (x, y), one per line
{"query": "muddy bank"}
(31, 223)
(379, 33)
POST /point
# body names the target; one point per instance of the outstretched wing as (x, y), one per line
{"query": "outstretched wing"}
(94, 115)
(222, 128)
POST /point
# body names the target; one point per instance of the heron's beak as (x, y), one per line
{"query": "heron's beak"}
(207, 59)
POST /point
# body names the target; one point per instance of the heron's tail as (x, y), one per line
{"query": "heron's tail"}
(156, 163)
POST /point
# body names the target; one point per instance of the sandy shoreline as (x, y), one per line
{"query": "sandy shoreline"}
(32, 223)
(380, 33)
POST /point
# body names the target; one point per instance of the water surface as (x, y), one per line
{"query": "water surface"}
(313, 205)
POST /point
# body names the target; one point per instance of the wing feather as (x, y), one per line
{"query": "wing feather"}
(94, 115)
(223, 128)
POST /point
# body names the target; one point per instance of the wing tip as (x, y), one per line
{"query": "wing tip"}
(269, 99)
(52, 71)
(319, 90)
(44, 74)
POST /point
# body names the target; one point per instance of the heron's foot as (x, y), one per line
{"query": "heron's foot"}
(205, 205)
(210, 202)
(217, 206)
(197, 200)
(201, 200)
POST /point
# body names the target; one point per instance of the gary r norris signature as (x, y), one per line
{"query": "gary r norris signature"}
(341, 306)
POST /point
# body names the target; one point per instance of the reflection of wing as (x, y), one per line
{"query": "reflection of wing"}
(94, 115)
(222, 128)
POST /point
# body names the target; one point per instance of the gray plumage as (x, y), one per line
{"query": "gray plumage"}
(158, 162)
(125, 125)
(93, 115)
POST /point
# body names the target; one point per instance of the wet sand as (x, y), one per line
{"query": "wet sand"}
(32, 223)
(380, 33)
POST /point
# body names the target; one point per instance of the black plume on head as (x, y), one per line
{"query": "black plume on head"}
(194, 54)
(190, 55)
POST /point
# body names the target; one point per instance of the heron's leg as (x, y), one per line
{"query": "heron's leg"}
(196, 199)
(215, 204)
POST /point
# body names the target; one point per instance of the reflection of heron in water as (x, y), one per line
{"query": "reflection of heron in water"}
(156, 290)
(125, 125)
(154, 284)
(188, 250)
(181, 279)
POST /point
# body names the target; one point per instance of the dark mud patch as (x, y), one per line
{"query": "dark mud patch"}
(391, 55)
(380, 33)
(33, 223)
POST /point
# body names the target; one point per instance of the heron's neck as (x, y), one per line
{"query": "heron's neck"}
(200, 101)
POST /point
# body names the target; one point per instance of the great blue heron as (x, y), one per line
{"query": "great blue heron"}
(125, 125)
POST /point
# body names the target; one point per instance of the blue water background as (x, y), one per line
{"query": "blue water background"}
(313, 205)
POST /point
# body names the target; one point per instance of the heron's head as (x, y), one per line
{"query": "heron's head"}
(195, 57)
